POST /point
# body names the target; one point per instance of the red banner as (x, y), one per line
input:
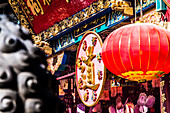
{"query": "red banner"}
(105, 95)
(44, 13)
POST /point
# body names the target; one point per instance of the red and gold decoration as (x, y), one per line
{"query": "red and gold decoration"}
(153, 17)
(116, 90)
(138, 52)
(90, 72)
(49, 18)
(54, 62)
(44, 46)
(45, 13)
(105, 95)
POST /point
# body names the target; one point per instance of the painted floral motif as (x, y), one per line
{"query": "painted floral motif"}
(86, 96)
(80, 83)
(99, 57)
(99, 73)
(89, 71)
(84, 47)
(94, 40)
(94, 96)
(52, 65)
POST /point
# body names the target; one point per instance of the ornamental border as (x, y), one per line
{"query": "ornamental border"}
(69, 22)
(62, 25)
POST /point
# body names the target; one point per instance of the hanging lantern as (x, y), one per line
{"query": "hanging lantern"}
(138, 52)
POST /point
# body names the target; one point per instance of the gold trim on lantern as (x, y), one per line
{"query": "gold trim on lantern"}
(119, 49)
(149, 49)
(159, 48)
(114, 58)
(139, 50)
(129, 49)
(168, 49)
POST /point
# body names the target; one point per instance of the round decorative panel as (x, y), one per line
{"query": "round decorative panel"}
(90, 70)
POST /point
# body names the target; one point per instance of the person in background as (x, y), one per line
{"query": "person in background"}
(80, 108)
(111, 108)
(96, 109)
(129, 106)
(144, 103)
(119, 106)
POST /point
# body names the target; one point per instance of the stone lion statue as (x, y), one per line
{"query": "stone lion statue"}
(25, 84)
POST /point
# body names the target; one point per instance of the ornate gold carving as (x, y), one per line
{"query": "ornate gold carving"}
(83, 76)
(45, 47)
(35, 7)
(99, 73)
(149, 75)
(128, 11)
(86, 96)
(80, 66)
(101, 20)
(68, 1)
(91, 74)
(37, 40)
(163, 98)
(90, 77)
(80, 83)
(90, 55)
(163, 110)
(162, 83)
(90, 65)
(132, 73)
(24, 23)
(122, 6)
(84, 47)
(153, 17)
(19, 13)
(53, 67)
(46, 2)
(92, 87)
(56, 29)
(83, 69)
(83, 15)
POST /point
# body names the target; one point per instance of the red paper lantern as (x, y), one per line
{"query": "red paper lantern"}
(138, 52)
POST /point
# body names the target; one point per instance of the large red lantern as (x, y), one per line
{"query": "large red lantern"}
(138, 52)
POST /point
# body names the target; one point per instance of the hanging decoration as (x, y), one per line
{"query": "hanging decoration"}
(90, 73)
(54, 62)
(138, 52)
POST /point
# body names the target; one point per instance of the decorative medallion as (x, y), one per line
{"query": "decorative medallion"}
(54, 62)
(90, 73)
